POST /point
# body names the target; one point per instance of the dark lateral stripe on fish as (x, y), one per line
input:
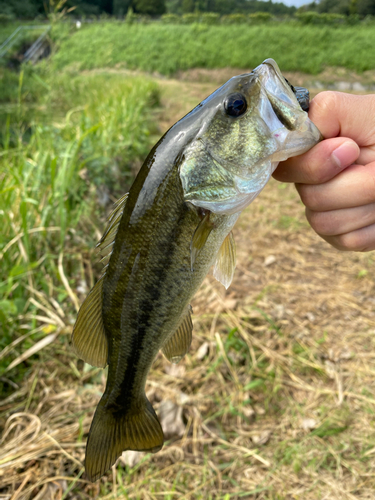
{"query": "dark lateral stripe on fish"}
(150, 295)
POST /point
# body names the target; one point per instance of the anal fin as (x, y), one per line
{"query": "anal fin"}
(225, 263)
(178, 344)
(88, 339)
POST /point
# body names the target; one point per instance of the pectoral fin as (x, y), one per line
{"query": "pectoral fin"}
(225, 263)
(88, 339)
(178, 344)
(200, 236)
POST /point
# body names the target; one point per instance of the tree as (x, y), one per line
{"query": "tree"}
(366, 7)
(149, 7)
(121, 7)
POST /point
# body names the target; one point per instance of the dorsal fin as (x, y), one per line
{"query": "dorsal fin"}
(178, 344)
(106, 242)
(199, 238)
(88, 339)
(225, 263)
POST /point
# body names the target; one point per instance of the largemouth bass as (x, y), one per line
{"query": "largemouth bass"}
(166, 233)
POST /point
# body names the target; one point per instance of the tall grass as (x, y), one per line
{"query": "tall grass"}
(8, 28)
(80, 147)
(169, 48)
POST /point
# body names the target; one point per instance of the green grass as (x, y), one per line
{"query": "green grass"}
(76, 147)
(8, 28)
(169, 48)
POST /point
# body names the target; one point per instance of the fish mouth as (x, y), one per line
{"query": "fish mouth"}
(271, 69)
(303, 97)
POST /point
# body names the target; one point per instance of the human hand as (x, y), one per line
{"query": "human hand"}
(336, 178)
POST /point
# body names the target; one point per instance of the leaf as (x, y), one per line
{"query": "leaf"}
(33, 350)
(254, 384)
(328, 430)
(8, 307)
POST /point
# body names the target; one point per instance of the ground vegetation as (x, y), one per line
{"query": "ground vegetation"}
(169, 48)
(275, 399)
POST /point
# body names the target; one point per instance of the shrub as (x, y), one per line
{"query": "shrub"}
(309, 17)
(353, 19)
(5, 18)
(210, 18)
(332, 18)
(368, 20)
(234, 19)
(260, 17)
(190, 18)
(144, 19)
(130, 16)
(170, 19)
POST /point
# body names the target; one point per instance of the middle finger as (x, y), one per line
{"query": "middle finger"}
(353, 187)
(341, 221)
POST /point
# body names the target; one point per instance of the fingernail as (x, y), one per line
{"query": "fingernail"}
(345, 154)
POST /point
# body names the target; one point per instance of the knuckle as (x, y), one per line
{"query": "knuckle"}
(325, 102)
(317, 174)
(309, 196)
(311, 172)
(370, 185)
(350, 242)
(321, 222)
(316, 164)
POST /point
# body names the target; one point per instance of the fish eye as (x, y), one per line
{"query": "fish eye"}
(235, 105)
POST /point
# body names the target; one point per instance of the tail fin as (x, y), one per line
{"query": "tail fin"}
(112, 433)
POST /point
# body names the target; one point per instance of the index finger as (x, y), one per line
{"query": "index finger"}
(346, 115)
(323, 162)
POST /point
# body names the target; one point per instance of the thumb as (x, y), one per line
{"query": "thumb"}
(339, 114)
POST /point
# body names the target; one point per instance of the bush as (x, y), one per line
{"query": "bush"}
(170, 19)
(234, 19)
(332, 18)
(210, 18)
(144, 19)
(369, 20)
(130, 16)
(309, 17)
(353, 19)
(5, 18)
(260, 17)
(190, 18)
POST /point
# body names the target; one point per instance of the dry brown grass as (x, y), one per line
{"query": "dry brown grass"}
(274, 401)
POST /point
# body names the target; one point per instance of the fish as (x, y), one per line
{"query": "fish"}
(163, 237)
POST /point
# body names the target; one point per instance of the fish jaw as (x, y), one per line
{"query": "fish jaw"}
(231, 159)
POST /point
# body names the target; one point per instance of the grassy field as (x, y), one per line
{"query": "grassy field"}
(169, 48)
(275, 400)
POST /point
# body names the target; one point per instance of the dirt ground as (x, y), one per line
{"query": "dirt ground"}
(275, 399)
